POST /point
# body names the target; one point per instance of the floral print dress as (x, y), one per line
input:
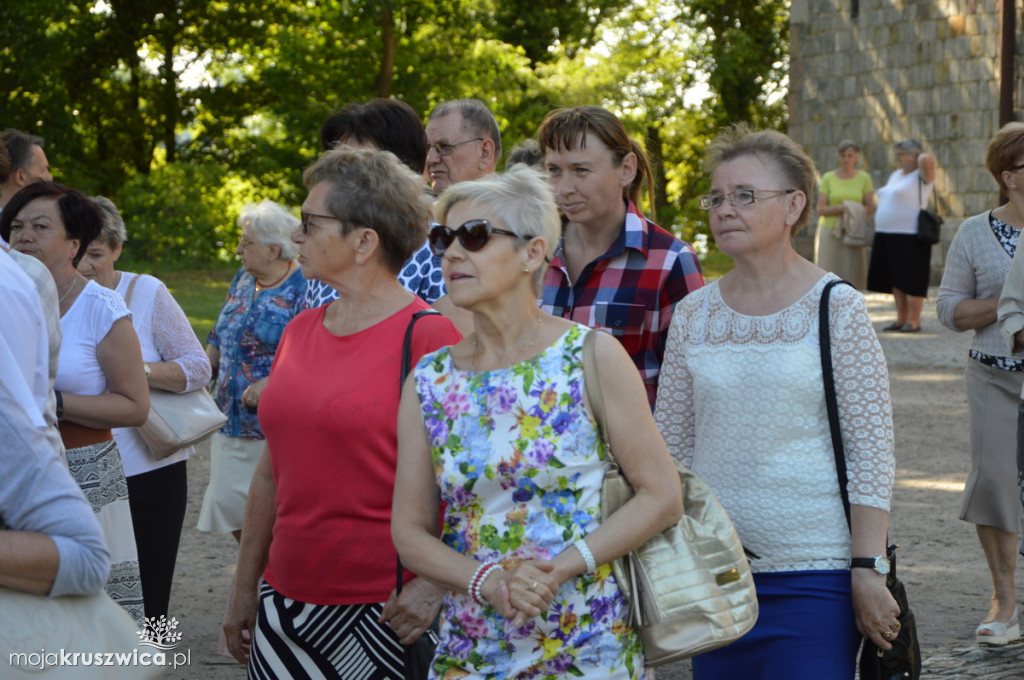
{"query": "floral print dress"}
(519, 465)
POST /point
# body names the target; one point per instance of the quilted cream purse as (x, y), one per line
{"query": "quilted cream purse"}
(689, 588)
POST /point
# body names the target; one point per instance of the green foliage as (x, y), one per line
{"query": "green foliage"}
(182, 110)
(182, 216)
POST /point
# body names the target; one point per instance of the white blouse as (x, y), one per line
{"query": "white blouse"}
(741, 402)
(84, 326)
(164, 335)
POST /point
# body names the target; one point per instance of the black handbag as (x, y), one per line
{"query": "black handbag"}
(903, 661)
(420, 654)
(929, 224)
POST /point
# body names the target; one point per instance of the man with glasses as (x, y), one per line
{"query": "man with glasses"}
(463, 143)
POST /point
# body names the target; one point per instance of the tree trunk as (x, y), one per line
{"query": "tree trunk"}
(168, 116)
(387, 62)
(654, 157)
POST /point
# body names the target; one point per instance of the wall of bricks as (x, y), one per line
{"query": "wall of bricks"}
(878, 71)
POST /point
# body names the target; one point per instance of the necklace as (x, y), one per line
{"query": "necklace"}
(519, 352)
(74, 282)
(260, 285)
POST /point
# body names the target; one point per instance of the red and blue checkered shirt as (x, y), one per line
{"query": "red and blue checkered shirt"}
(630, 291)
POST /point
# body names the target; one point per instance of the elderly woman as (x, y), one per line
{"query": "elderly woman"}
(100, 381)
(751, 339)
(901, 263)
(319, 512)
(846, 183)
(175, 362)
(266, 293)
(498, 429)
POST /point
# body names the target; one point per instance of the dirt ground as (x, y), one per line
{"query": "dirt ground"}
(940, 559)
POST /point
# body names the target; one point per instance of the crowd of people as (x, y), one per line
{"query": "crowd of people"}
(401, 370)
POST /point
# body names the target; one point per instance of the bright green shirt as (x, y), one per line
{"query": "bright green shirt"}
(839, 190)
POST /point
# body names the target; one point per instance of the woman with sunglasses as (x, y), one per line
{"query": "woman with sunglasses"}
(266, 293)
(742, 403)
(314, 588)
(498, 430)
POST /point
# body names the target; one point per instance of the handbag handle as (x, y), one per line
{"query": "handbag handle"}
(406, 365)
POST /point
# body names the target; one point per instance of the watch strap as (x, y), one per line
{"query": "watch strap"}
(863, 562)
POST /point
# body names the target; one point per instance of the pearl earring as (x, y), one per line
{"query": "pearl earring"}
(526, 270)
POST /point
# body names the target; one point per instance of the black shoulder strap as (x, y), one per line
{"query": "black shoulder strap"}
(831, 404)
(406, 365)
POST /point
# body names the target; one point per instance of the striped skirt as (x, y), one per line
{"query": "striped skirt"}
(298, 640)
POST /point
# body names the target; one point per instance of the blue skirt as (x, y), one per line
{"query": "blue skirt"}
(805, 629)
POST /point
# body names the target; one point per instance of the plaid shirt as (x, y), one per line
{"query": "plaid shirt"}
(630, 291)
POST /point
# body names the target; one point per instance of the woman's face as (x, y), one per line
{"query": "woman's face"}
(587, 184)
(98, 262)
(38, 230)
(323, 253)
(745, 229)
(907, 160)
(255, 256)
(848, 159)
(488, 273)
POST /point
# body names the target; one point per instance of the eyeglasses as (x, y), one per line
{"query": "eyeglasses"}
(307, 215)
(244, 243)
(1017, 167)
(740, 197)
(446, 149)
(473, 235)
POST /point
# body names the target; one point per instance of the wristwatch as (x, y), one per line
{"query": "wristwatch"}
(879, 564)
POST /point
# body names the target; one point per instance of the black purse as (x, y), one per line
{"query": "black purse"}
(929, 224)
(420, 654)
(903, 661)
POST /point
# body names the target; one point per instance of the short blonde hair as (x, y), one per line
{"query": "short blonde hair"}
(523, 199)
(271, 225)
(767, 145)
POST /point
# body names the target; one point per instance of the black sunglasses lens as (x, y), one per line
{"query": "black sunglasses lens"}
(439, 238)
(473, 235)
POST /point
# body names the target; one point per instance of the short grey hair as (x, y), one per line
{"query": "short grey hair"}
(522, 198)
(848, 144)
(271, 225)
(909, 145)
(113, 233)
(477, 119)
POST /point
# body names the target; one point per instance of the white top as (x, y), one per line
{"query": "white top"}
(23, 336)
(898, 204)
(164, 335)
(741, 402)
(84, 327)
(47, 291)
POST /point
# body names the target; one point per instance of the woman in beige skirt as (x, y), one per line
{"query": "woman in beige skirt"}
(845, 183)
(977, 264)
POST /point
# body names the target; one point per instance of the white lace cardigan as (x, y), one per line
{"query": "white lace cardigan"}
(741, 402)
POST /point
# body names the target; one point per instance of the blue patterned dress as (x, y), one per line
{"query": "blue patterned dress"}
(519, 465)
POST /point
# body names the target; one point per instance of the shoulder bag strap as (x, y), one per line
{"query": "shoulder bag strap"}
(831, 404)
(406, 365)
(591, 384)
(131, 289)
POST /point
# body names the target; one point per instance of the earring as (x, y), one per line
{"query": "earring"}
(526, 270)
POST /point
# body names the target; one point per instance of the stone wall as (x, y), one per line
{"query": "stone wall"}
(877, 71)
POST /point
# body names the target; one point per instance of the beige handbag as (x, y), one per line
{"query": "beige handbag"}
(689, 588)
(83, 637)
(177, 421)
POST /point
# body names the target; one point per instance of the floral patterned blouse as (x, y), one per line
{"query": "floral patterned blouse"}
(519, 465)
(247, 333)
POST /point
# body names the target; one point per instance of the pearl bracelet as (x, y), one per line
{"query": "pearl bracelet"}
(477, 582)
(588, 556)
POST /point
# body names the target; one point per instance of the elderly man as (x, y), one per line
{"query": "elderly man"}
(463, 143)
